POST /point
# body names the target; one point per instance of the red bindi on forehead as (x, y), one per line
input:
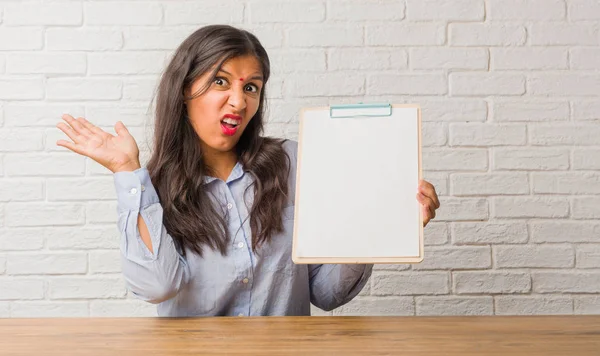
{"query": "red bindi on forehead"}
(241, 79)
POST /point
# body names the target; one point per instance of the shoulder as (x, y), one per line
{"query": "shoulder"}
(291, 148)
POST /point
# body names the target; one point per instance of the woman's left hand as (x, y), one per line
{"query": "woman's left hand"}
(429, 200)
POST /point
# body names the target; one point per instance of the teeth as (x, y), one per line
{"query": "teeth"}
(231, 121)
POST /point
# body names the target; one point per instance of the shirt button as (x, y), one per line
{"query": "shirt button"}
(133, 191)
(245, 280)
(241, 314)
(240, 245)
(229, 206)
(143, 188)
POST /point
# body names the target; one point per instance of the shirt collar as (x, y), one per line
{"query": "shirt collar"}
(236, 173)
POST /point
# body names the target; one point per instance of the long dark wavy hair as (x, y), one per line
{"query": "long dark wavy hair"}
(176, 165)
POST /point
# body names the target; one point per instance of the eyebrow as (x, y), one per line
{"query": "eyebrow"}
(257, 77)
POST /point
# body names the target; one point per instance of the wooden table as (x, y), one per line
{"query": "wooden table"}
(490, 335)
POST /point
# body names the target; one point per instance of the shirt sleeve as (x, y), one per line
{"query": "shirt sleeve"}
(151, 276)
(333, 285)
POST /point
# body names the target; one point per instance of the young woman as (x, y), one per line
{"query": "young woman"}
(206, 227)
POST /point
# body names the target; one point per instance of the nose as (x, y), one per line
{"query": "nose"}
(237, 99)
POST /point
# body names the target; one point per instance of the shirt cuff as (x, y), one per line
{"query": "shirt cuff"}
(134, 190)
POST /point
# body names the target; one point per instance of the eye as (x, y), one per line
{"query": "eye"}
(220, 81)
(252, 88)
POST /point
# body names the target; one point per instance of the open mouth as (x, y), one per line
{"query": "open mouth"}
(230, 125)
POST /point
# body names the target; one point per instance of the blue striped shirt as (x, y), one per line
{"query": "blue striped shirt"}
(240, 283)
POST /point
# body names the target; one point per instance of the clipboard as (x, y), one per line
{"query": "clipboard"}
(358, 168)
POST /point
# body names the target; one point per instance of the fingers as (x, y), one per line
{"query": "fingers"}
(69, 145)
(77, 126)
(427, 207)
(92, 128)
(428, 190)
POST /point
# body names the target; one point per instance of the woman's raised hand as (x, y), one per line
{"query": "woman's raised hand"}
(117, 153)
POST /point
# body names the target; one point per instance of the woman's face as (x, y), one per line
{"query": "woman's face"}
(220, 115)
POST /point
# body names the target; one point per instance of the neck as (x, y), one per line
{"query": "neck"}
(220, 163)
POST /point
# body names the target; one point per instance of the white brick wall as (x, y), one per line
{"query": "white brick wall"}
(511, 134)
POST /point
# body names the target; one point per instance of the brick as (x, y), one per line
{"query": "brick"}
(484, 134)
(122, 308)
(466, 110)
(59, 39)
(482, 84)
(449, 58)
(436, 233)
(101, 212)
(530, 110)
(108, 115)
(462, 184)
(20, 165)
(572, 84)
(586, 110)
(500, 10)
(564, 231)
(89, 237)
(356, 11)
(530, 207)
(566, 282)
(39, 114)
(3, 264)
(140, 63)
(330, 84)
(410, 283)
(4, 306)
(139, 89)
(414, 34)
(458, 10)
(486, 35)
(21, 289)
(21, 190)
(123, 13)
(21, 140)
(455, 258)
(295, 60)
(534, 256)
(492, 282)
(586, 159)
(21, 88)
(564, 134)
(324, 35)
(586, 304)
(407, 84)
(566, 183)
(361, 58)
(533, 305)
(585, 208)
(45, 309)
(531, 159)
(433, 134)
(455, 159)
(382, 306)
(83, 89)
(47, 263)
(46, 63)
(36, 13)
(386, 267)
(86, 288)
(155, 38)
(22, 239)
(583, 10)
(203, 12)
(529, 58)
(21, 38)
(445, 306)
(508, 232)
(588, 256)
(80, 189)
(43, 214)
(585, 58)
(105, 261)
(457, 209)
(273, 11)
(563, 34)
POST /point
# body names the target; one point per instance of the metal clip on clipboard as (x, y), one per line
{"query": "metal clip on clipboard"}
(360, 110)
